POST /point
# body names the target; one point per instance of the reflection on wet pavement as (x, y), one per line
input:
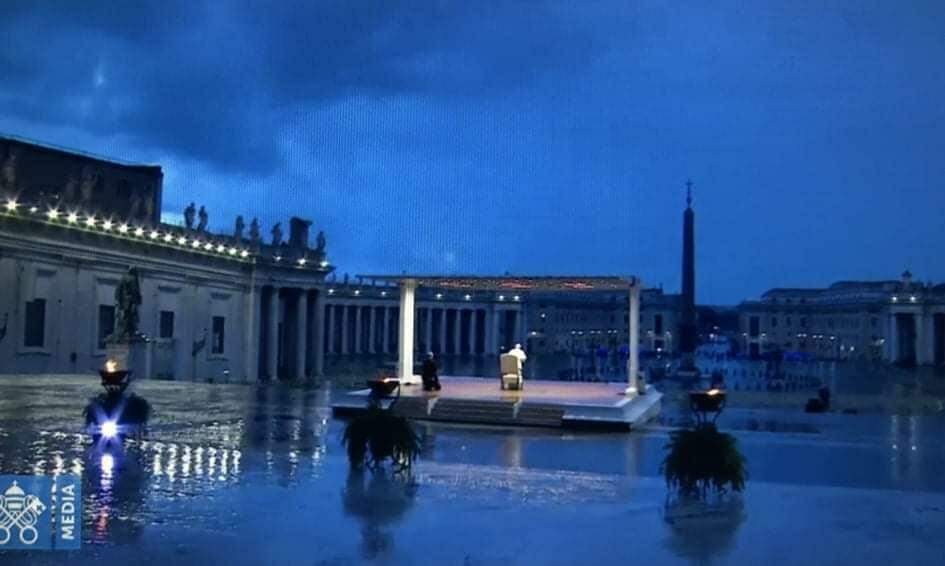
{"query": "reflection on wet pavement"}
(258, 473)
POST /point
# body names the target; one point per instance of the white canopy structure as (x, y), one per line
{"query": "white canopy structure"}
(409, 284)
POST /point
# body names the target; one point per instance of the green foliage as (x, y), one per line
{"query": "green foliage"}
(703, 459)
(379, 435)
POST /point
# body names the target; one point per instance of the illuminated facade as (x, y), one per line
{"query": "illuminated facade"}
(229, 306)
(214, 306)
(895, 321)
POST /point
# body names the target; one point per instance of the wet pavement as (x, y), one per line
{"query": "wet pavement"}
(247, 475)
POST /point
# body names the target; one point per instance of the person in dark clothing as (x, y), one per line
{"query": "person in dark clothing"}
(431, 381)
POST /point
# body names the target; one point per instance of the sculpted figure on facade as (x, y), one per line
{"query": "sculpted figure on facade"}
(8, 172)
(204, 218)
(238, 228)
(149, 205)
(127, 301)
(135, 208)
(254, 235)
(189, 214)
(90, 180)
(69, 189)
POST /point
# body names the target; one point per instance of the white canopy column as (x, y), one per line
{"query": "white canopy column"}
(408, 289)
(634, 386)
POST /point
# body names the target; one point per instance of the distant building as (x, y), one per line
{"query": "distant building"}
(562, 322)
(895, 321)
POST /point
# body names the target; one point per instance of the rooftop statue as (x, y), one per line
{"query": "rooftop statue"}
(149, 206)
(189, 214)
(135, 207)
(277, 234)
(90, 179)
(320, 243)
(69, 190)
(8, 172)
(204, 218)
(127, 301)
(238, 229)
(254, 232)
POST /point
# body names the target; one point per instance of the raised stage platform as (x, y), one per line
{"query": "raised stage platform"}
(541, 403)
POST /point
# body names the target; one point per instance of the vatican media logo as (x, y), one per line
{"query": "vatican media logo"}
(41, 513)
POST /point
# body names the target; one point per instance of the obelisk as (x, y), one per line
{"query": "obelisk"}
(688, 331)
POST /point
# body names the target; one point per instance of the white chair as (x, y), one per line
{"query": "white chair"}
(510, 370)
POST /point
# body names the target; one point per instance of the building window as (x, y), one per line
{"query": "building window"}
(106, 324)
(658, 323)
(774, 322)
(217, 344)
(34, 335)
(754, 326)
(166, 326)
(803, 322)
(788, 322)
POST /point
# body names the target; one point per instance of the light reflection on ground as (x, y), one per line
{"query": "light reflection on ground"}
(248, 475)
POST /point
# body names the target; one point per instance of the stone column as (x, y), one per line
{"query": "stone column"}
(272, 338)
(318, 331)
(408, 288)
(344, 328)
(428, 334)
(494, 339)
(251, 341)
(893, 338)
(358, 347)
(385, 343)
(330, 349)
(517, 332)
(472, 330)
(372, 329)
(633, 361)
(925, 338)
(458, 332)
(442, 332)
(301, 334)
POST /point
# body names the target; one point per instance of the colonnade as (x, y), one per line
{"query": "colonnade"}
(291, 332)
(370, 327)
(297, 327)
(915, 335)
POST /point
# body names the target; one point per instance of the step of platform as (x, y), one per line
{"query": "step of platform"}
(474, 411)
(413, 407)
(533, 414)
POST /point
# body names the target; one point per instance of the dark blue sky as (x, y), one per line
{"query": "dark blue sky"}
(528, 137)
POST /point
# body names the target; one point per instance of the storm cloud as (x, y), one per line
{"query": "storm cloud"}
(538, 137)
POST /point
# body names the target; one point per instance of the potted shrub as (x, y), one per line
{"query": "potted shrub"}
(702, 461)
(379, 435)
